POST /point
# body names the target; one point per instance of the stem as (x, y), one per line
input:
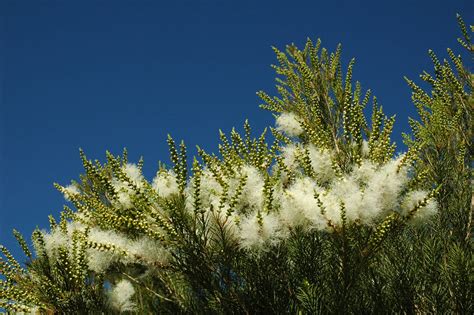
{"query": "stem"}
(144, 286)
(469, 221)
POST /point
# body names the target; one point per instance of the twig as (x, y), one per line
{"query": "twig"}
(147, 288)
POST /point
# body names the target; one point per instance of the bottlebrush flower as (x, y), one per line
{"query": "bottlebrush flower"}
(288, 123)
(120, 296)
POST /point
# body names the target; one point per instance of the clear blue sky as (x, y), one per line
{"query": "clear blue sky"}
(103, 75)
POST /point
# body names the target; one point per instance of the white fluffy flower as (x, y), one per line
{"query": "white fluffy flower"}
(123, 189)
(142, 248)
(271, 227)
(210, 193)
(134, 173)
(120, 296)
(290, 153)
(321, 162)
(70, 190)
(412, 199)
(365, 148)
(149, 250)
(368, 192)
(288, 123)
(54, 240)
(365, 171)
(383, 190)
(350, 194)
(252, 193)
(253, 235)
(99, 261)
(299, 205)
(165, 183)
(211, 190)
(123, 194)
(332, 207)
(57, 238)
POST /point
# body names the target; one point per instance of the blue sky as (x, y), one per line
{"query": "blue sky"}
(103, 75)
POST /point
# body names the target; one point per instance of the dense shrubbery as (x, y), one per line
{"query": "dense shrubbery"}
(326, 219)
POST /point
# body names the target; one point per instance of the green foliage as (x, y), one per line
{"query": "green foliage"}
(227, 235)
